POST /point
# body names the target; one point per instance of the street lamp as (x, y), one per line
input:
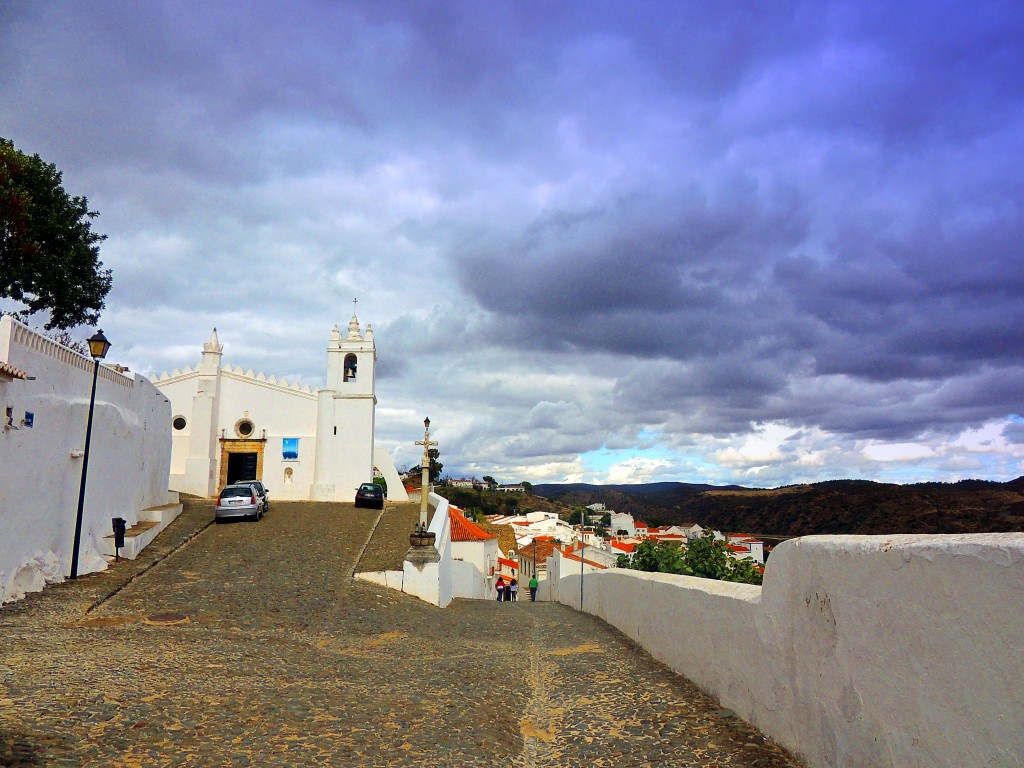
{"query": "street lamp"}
(98, 346)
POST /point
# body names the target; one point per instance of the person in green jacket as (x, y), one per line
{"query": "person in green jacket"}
(533, 589)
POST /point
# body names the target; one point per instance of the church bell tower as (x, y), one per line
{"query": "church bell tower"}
(346, 409)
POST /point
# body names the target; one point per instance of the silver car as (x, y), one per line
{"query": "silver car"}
(242, 499)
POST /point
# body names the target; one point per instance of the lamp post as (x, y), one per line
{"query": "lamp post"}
(426, 442)
(98, 346)
(583, 539)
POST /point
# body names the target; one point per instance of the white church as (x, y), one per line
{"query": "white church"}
(229, 424)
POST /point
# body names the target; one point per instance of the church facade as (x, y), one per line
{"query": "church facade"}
(229, 424)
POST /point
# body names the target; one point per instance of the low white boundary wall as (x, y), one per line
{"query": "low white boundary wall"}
(431, 582)
(859, 651)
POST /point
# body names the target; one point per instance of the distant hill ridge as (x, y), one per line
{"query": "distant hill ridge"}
(832, 506)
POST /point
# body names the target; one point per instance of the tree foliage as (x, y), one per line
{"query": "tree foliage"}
(435, 465)
(49, 255)
(706, 557)
(577, 515)
(486, 502)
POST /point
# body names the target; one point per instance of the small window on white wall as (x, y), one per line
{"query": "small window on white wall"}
(179, 423)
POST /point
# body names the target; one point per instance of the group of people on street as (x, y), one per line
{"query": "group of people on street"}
(508, 591)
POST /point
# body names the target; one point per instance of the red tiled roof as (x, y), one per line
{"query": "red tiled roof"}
(466, 530)
(543, 550)
(623, 546)
(572, 556)
(6, 369)
(508, 563)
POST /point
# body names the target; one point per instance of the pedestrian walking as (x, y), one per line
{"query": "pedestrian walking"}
(500, 587)
(533, 589)
(514, 589)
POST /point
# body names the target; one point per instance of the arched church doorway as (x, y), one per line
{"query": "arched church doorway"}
(240, 460)
(241, 466)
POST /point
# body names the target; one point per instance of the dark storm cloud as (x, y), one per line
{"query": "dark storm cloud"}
(573, 224)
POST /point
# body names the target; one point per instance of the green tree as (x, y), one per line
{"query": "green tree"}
(658, 557)
(527, 486)
(492, 484)
(577, 515)
(606, 519)
(49, 255)
(706, 556)
(709, 557)
(435, 466)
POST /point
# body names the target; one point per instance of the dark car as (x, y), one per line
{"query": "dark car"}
(262, 490)
(370, 495)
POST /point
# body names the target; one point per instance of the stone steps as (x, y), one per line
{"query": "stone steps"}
(151, 522)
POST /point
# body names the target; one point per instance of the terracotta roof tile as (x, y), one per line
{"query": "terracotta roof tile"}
(544, 550)
(504, 534)
(466, 530)
(9, 371)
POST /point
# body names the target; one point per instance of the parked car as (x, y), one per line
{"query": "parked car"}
(370, 495)
(241, 500)
(263, 491)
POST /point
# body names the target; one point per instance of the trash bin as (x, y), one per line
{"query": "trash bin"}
(120, 526)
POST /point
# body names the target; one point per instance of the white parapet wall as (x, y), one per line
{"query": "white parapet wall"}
(41, 458)
(432, 582)
(858, 651)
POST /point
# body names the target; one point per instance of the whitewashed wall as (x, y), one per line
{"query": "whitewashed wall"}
(283, 411)
(40, 467)
(433, 581)
(859, 651)
(471, 568)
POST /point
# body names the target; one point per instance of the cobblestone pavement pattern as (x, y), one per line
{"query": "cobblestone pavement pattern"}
(285, 661)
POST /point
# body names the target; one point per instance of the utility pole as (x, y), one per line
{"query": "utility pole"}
(582, 545)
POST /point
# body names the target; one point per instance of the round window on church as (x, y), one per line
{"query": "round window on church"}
(245, 428)
(179, 423)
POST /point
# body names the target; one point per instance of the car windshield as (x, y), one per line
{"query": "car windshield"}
(369, 488)
(236, 490)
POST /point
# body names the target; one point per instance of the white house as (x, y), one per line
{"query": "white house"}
(539, 524)
(476, 556)
(230, 424)
(623, 521)
(44, 401)
(744, 547)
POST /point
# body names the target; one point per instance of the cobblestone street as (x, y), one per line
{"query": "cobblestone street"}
(284, 660)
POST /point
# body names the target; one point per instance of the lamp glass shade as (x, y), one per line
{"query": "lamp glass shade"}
(98, 345)
(426, 423)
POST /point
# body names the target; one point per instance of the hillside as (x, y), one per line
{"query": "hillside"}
(836, 506)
